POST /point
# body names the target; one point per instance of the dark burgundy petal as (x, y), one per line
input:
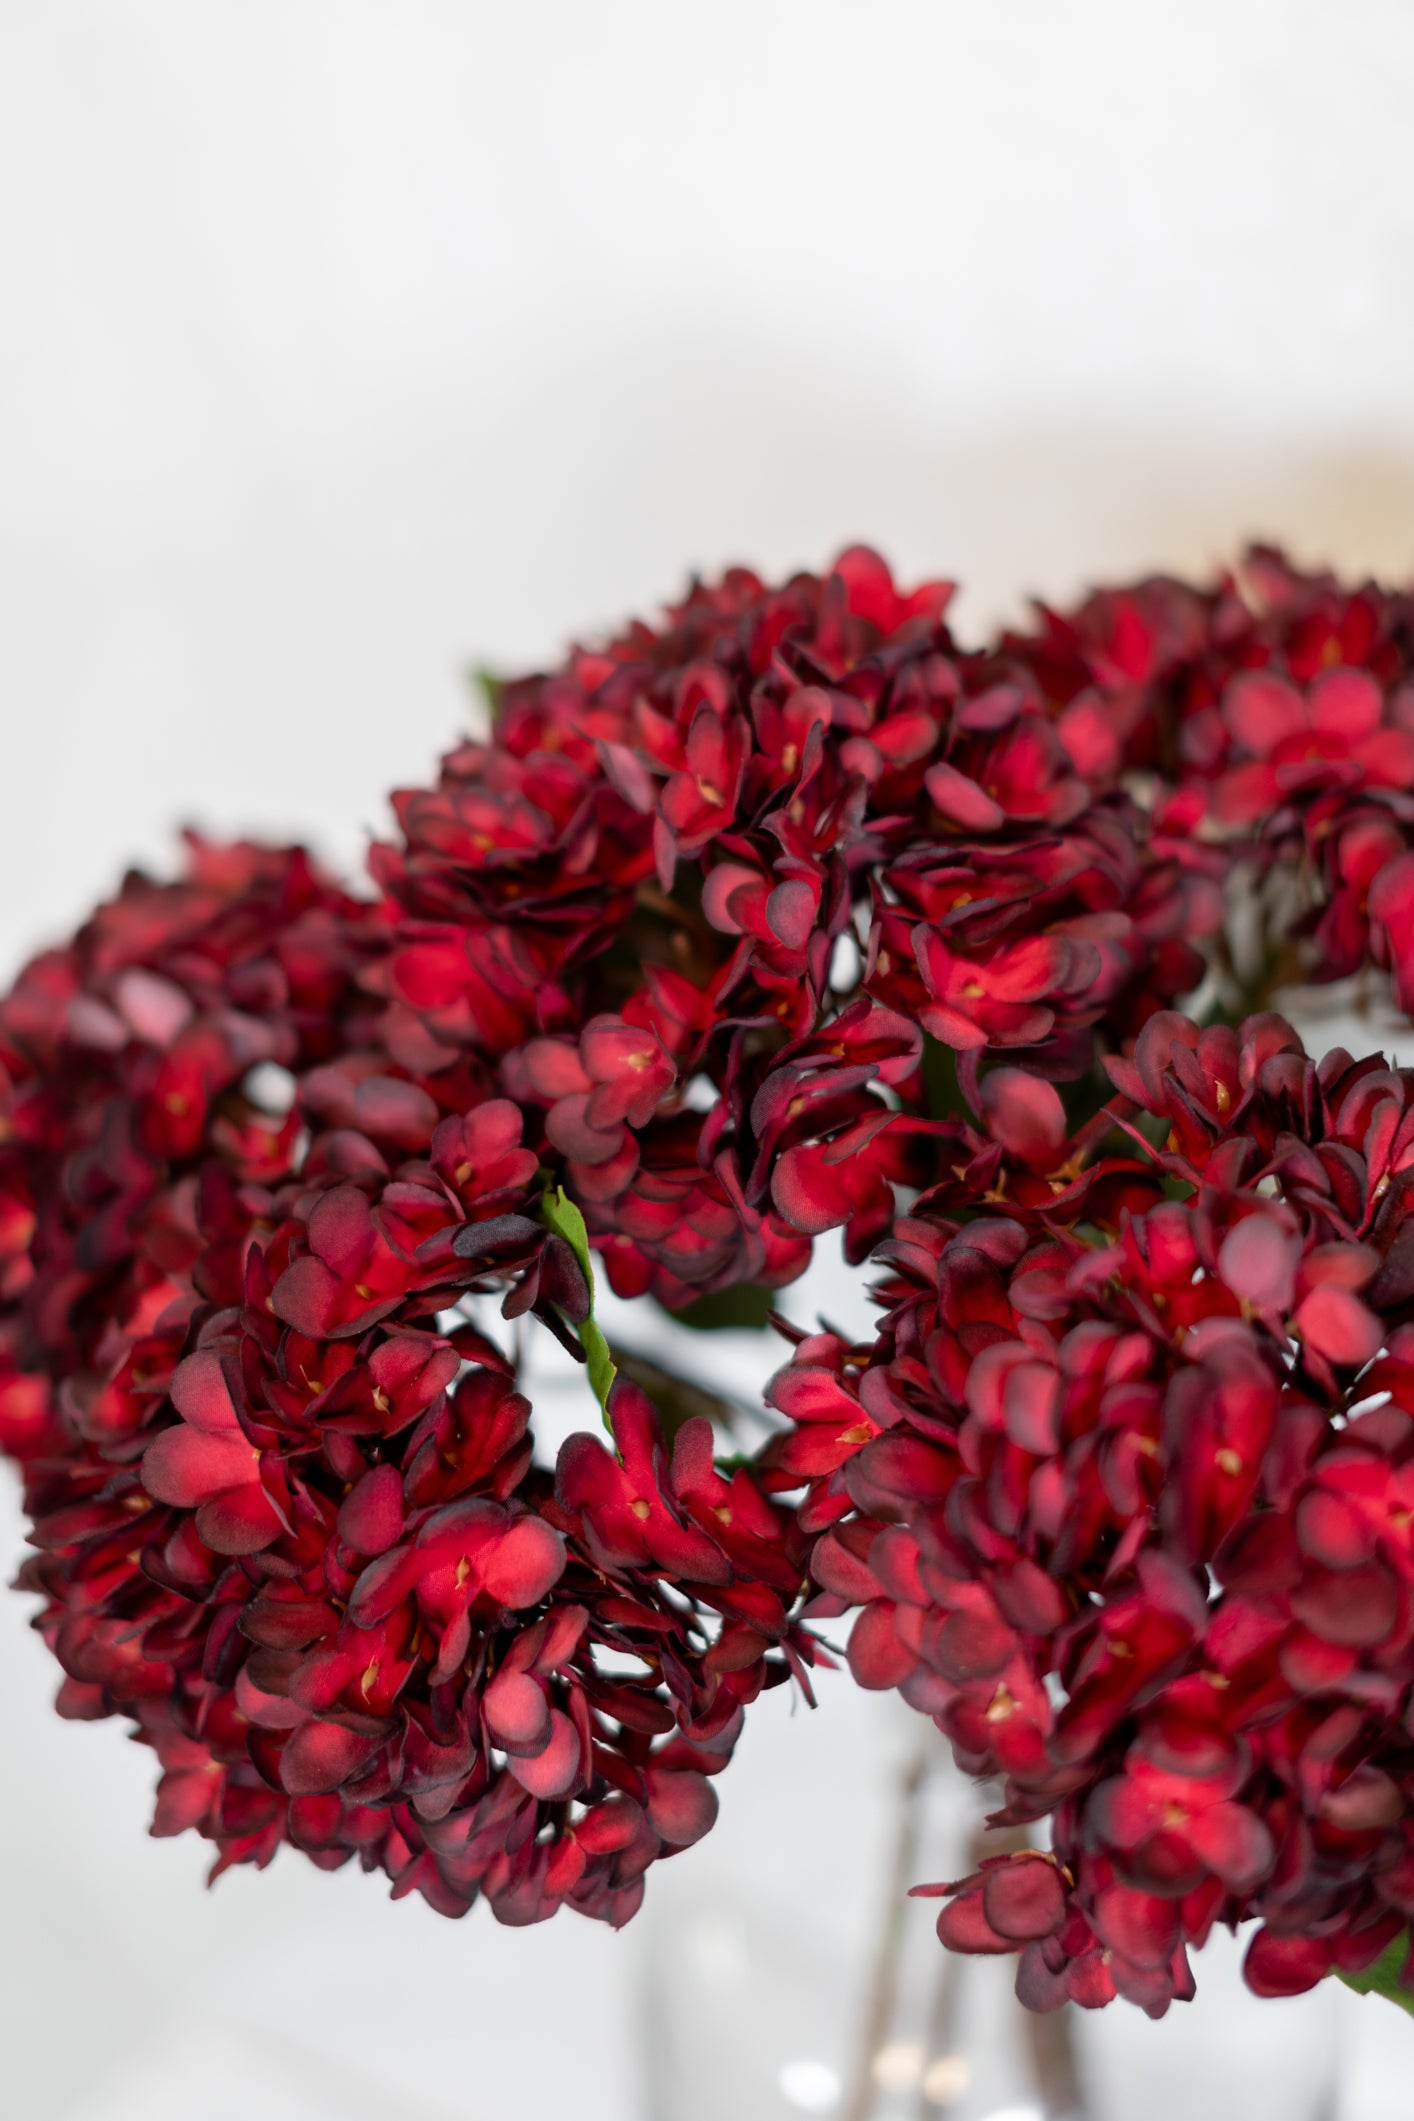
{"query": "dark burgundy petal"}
(201, 1394)
(1023, 1898)
(1339, 1326)
(1285, 1966)
(517, 1712)
(188, 1466)
(681, 1805)
(1026, 1116)
(1258, 1260)
(963, 1927)
(371, 1515)
(877, 1658)
(524, 1563)
(323, 1756)
(241, 1521)
(554, 1771)
(307, 1296)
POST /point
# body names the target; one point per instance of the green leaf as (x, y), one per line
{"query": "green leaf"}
(486, 689)
(745, 1309)
(564, 1218)
(1382, 1979)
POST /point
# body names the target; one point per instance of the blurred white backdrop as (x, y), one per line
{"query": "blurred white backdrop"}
(344, 345)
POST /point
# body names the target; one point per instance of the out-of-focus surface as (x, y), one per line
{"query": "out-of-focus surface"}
(346, 345)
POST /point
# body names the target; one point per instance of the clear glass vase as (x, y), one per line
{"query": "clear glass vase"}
(787, 1972)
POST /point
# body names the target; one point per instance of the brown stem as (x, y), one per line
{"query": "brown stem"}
(940, 2033)
(883, 1986)
(1050, 2037)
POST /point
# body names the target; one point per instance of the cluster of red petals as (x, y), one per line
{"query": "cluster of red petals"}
(696, 901)
(1124, 1490)
(284, 1498)
(1276, 710)
(686, 934)
(128, 1060)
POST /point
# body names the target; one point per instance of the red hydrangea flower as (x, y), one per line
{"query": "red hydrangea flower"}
(675, 935)
(1123, 1490)
(323, 1576)
(1282, 703)
(634, 900)
(126, 1058)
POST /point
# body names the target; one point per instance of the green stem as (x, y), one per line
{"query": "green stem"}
(564, 1218)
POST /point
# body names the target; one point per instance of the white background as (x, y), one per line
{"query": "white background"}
(343, 345)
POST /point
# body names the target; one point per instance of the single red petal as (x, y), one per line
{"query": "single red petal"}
(395, 1110)
(1258, 1259)
(187, 1466)
(1031, 1406)
(1245, 793)
(877, 1658)
(1391, 898)
(307, 1296)
(554, 1771)
(384, 1584)
(806, 1392)
(1024, 1898)
(517, 1712)
(1233, 1842)
(241, 1521)
(321, 1756)
(553, 1066)
(1386, 757)
(156, 1008)
(1354, 1608)
(609, 1826)
(1262, 711)
(962, 800)
(1025, 1114)
(341, 1229)
(790, 913)
(1332, 1530)
(629, 776)
(869, 587)
(489, 1131)
(1090, 733)
(1366, 1801)
(1139, 1926)
(1285, 1966)
(972, 1646)
(810, 1192)
(963, 1927)
(951, 1028)
(1089, 1982)
(837, 1568)
(570, 1130)
(1345, 704)
(371, 1514)
(1025, 971)
(1311, 1666)
(1038, 1986)
(607, 1045)
(721, 885)
(200, 1394)
(681, 1804)
(524, 1563)
(1337, 1325)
